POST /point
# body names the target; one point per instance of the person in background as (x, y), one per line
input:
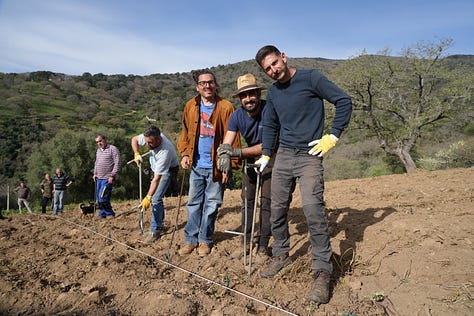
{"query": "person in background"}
(164, 162)
(106, 172)
(46, 186)
(247, 120)
(295, 116)
(204, 124)
(61, 182)
(23, 194)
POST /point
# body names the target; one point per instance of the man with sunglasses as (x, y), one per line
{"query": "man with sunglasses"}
(204, 124)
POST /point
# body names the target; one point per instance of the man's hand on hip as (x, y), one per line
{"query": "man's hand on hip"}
(323, 145)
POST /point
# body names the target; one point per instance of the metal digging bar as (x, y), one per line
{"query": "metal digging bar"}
(140, 210)
(244, 233)
(254, 213)
(175, 228)
(95, 196)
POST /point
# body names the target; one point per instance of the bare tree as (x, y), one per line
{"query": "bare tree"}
(396, 97)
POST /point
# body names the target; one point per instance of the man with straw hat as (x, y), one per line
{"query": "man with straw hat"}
(248, 121)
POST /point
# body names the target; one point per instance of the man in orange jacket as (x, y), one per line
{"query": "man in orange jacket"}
(204, 124)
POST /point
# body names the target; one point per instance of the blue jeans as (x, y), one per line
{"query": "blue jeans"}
(58, 201)
(204, 199)
(103, 194)
(290, 165)
(157, 208)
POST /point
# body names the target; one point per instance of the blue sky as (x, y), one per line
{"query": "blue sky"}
(144, 37)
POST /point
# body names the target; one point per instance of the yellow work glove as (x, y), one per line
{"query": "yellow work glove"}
(262, 162)
(146, 202)
(137, 158)
(322, 146)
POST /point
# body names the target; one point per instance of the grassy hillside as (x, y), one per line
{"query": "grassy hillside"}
(37, 107)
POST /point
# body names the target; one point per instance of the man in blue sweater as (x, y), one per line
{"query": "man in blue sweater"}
(295, 116)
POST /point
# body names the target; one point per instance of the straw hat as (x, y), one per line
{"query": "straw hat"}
(245, 83)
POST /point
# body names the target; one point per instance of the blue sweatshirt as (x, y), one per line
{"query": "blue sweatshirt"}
(296, 110)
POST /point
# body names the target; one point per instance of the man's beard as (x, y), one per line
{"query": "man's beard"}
(252, 110)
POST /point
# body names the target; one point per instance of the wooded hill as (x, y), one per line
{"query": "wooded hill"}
(48, 120)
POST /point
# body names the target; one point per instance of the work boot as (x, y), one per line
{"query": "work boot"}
(275, 266)
(186, 249)
(152, 236)
(320, 290)
(203, 249)
(262, 255)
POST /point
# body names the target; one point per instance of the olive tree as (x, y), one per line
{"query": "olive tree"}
(395, 98)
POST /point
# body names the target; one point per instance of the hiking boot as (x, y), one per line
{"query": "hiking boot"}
(152, 236)
(186, 249)
(275, 266)
(262, 255)
(320, 290)
(203, 249)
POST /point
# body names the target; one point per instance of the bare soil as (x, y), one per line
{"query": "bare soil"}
(403, 245)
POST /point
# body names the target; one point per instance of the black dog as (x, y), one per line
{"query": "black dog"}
(87, 210)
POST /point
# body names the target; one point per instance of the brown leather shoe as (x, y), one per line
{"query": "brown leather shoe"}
(203, 249)
(186, 249)
(320, 289)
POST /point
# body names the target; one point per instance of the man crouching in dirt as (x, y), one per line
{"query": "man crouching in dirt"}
(163, 161)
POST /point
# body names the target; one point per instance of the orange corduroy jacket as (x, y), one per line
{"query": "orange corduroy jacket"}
(187, 142)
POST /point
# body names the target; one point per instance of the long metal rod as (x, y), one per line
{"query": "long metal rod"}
(175, 228)
(145, 154)
(245, 213)
(140, 211)
(257, 188)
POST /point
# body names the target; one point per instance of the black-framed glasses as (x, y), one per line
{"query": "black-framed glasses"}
(206, 83)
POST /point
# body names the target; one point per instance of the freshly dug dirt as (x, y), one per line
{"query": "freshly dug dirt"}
(403, 245)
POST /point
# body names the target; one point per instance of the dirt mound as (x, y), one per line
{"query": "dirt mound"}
(402, 246)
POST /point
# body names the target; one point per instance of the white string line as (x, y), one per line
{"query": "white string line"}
(181, 269)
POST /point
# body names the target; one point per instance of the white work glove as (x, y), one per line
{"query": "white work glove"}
(322, 146)
(262, 162)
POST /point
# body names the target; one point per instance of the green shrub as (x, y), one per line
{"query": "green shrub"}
(459, 155)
